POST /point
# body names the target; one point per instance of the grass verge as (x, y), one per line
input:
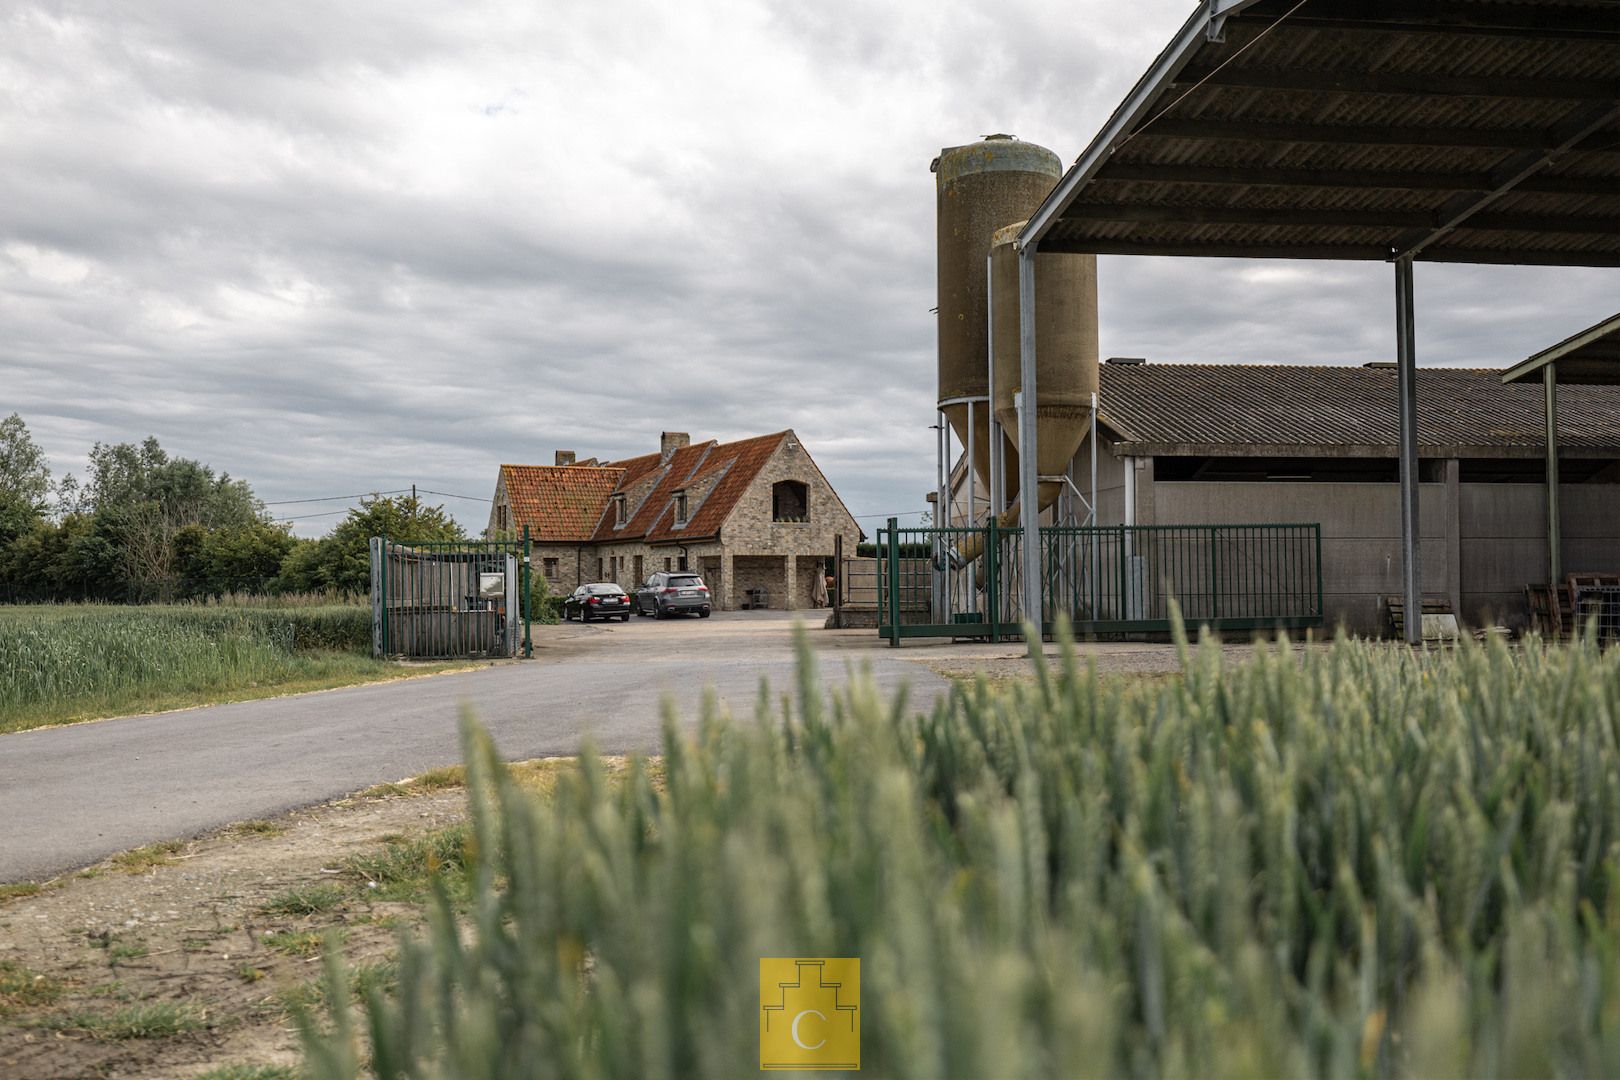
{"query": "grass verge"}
(65, 664)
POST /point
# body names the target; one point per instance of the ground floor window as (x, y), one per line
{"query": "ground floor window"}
(548, 567)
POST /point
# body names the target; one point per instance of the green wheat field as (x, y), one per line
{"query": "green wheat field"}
(1345, 862)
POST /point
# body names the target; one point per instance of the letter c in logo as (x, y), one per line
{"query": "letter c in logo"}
(800, 1043)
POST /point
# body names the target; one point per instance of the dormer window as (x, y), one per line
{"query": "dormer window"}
(680, 508)
(620, 512)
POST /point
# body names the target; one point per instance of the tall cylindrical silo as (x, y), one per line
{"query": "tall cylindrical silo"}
(979, 187)
(1065, 352)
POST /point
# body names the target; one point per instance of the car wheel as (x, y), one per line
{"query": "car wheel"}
(704, 613)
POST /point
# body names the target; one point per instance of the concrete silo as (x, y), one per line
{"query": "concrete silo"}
(979, 188)
(1065, 355)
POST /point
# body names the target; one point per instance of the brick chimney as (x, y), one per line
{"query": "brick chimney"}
(671, 441)
(565, 457)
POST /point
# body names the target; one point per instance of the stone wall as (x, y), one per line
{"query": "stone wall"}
(768, 572)
(751, 531)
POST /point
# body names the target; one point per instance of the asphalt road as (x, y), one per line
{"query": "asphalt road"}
(70, 796)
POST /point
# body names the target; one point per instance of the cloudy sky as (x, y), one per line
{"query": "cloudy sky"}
(334, 248)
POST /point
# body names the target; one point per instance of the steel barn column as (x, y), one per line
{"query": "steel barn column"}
(1555, 541)
(1406, 371)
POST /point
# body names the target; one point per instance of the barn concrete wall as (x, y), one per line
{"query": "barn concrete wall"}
(1361, 534)
(1481, 544)
(1504, 541)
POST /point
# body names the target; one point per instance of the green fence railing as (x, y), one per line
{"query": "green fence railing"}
(967, 582)
(450, 599)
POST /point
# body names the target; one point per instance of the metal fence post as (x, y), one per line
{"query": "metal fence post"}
(1321, 611)
(387, 566)
(528, 605)
(1123, 610)
(894, 582)
(993, 579)
(1214, 576)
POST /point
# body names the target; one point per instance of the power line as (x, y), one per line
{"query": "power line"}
(902, 513)
(306, 517)
(338, 498)
(452, 495)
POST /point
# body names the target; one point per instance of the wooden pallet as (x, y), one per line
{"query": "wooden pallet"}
(1552, 607)
(1395, 608)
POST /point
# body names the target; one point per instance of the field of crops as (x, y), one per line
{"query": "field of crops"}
(67, 662)
(1357, 862)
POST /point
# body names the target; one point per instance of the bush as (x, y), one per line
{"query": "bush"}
(1354, 862)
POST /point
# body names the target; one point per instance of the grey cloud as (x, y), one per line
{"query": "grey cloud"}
(332, 249)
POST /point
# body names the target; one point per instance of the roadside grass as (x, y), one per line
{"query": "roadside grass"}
(303, 943)
(404, 869)
(21, 988)
(258, 827)
(140, 860)
(19, 890)
(537, 776)
(305, 900)
(61, 664)
(252, 1072)
(150, 1020)
(380, 977)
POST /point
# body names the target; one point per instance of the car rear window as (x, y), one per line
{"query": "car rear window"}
(685, 580)
(604, 590)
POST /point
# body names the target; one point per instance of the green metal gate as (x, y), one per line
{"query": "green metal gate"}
(447, 600)
(967, 582)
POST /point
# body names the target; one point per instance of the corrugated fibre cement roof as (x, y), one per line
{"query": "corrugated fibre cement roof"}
(1591, 357)
(1480, 131)
(1310, 410)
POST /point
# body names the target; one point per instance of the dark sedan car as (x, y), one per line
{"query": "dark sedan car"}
(668, 592)
(600, 600)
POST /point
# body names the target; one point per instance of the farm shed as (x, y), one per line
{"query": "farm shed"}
(1201, 443)
(1392, 130)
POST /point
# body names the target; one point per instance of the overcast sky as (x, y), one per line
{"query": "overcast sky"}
(332, 248)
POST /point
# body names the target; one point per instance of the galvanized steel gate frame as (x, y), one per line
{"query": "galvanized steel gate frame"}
(439, 600)
(1109, 579)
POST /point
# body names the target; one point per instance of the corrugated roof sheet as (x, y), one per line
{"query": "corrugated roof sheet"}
(1468, 130)
(1201, 408)
(559, 502)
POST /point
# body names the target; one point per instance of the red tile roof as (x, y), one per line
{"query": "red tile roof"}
(559, 502)
(571, 502)
(731, 466)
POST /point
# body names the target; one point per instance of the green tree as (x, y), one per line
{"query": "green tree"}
(341, 560)
(155, 507)
(25, 479)
(241, 558)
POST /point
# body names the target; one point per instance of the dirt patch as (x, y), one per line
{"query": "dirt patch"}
(180, 960)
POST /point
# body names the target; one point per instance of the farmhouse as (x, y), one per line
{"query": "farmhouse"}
(756, 518)
(1188, 444)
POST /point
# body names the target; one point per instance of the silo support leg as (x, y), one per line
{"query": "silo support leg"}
(1028, 451)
